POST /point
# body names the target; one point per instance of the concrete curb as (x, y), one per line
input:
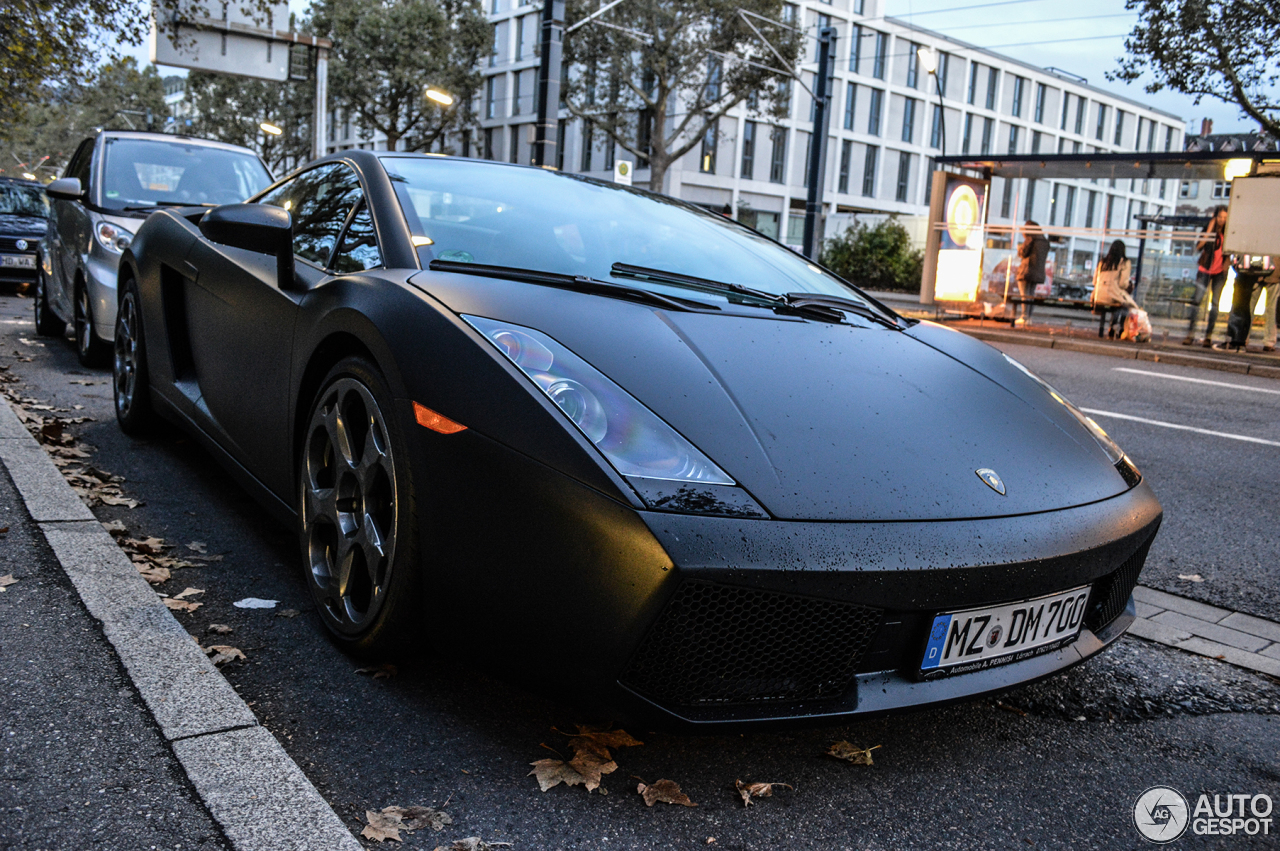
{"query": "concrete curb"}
(1128, 352)
(1242, 640)
(250, 785)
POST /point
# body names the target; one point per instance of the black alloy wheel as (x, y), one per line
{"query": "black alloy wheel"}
(356, 526)
(48, 323)
(129, 366)
(90, 350)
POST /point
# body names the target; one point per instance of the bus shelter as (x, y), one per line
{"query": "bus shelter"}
(970, 265)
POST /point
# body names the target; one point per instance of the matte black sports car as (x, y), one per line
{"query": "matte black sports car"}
(600, 439)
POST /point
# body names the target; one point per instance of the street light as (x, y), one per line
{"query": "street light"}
(268, 127)
(929, 60)
(442, 98)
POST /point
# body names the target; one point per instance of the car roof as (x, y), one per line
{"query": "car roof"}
(171, 137)
(21, 181)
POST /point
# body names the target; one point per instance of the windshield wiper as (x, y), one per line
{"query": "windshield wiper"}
(576, 283)
(842, 303)
(154, 204)
(826, 308)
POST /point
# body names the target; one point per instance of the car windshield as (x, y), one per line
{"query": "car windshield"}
(141, 172)
(22, 201)
(475, 212)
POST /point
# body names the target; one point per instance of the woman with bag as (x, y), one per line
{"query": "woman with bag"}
(1111, 288)
(1212, 275)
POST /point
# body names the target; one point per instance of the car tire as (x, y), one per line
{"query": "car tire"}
(129, 377)
(90, 350)
(356, 511)
(48, 323)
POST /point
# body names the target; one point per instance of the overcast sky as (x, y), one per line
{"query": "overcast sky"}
(1083, 37)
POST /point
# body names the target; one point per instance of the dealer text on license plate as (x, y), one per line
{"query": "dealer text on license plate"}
(17, 261)
(980, 638)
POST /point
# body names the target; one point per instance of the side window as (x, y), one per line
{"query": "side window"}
(79, 165)
(319, 200)
(359, 248)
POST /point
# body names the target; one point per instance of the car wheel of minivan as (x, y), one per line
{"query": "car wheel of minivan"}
(91, 350)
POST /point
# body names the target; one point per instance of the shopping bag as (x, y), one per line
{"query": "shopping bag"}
(1137, 325)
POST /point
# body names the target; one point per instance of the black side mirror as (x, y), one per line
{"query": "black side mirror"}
(254, 227)
(66, 189)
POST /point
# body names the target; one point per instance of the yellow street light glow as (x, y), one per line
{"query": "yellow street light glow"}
(268, 127)
(928, 59)
(440, 97)
(28, 175)
(1236, 168)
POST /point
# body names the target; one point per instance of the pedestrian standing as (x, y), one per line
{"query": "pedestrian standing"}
(1270, 285)
(1034, 252)
(1212, 275)
(1240, 320)
(1111, 288)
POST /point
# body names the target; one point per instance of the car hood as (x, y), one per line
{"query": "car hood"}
(24, 227)
(820, 421)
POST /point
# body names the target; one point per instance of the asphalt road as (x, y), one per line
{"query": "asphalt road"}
(1058, 765)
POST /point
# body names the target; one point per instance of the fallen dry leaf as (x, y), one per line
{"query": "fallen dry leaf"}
(181, 605)
(756, 790)
(222, 653)
(553, 772)
(154, 575)
(599, 740)
(220, 629)
(288, 613)
(666, 791)
(108, 499)
(7, 580)
(146, 546)
(84, 382)
(847, 752)
(472, 843)
(381, 828)
(387, 824)
(51, 431)
(197, 547)
(1191, 577)
(188, 592)
(4, 530)
(115, 528)
(385, 671)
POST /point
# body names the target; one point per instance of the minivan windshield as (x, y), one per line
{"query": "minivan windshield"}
(145, 172)
(476, 212)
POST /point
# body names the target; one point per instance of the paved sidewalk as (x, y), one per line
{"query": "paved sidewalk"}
(1196, 627)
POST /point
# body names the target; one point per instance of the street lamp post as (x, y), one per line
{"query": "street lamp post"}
(549, 72)
(929, 59)
(818, 141)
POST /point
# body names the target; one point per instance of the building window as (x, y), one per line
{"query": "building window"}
(784, 96)
(846, 154)
(913, 66)
(515, 143)
(855, 48)
(707, 159)
(1168, 138)
(928, 179)
(749, 150)
(873, 112)
(497, 41)
(1006, 202)
(1088, 208)
(610, 152)
(1119, 127)
(515, 93)
(562, 130)
(1151, 136)
(968, 133)
(1019, 83)
(1081, 107)
(909, 119)
(935, 133)
(850, 103)
(805, 139)
(882, 51)
(1190, 189)
(1066, 107)
(1031, 199)
(973, 81)
(588, 143)
(790, 12)
(1069, 211)
(858, 6)
(488, 143)
(904, 176)
(715, 67)
(1054, 202)
(490, 101)
(993, 82)
(520, 25)
(988, 126)
(466, 144)
(1162, 189)
(1042, 92)
(644, 138)
(869, 172)
(1221, 189)
(944, 67)
(1013, 138)
(778, 155)
(1102, 121)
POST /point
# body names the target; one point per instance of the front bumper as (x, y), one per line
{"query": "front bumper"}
(24, 274)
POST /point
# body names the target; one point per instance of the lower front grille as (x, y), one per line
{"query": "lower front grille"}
(1111, 592)
(719, 644)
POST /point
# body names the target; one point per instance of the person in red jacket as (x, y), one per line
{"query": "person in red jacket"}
(1212, 276)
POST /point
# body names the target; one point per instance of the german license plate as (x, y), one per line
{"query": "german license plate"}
(17, 261)
(974, 639)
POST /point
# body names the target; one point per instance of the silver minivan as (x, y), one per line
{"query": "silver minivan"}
(113, 182)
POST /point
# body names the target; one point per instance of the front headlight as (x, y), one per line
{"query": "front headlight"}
(112, 237)
(633, 438)
(1114, 452)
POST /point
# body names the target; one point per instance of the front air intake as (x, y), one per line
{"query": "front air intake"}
(1111, 592)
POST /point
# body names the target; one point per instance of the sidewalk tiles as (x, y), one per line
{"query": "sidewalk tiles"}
(1234, 637)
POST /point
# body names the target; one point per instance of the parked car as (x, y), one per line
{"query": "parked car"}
(627, 449)
(113, 182)
(24, 214)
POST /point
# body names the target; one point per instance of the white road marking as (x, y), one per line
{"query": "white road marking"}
(1195, 380)
(1244, 437)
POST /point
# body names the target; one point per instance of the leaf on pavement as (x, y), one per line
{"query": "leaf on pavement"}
(472, 843)
(115, 528)
(385, 671)
(220, 654)
(381, 828)
(847, 752)
(288, 613)
(108, 499)
(220, 629)
(553, 772)
(1191, 577)
(188, 592)
(756, 790)
(181, 605)
(666, 791)
(599, 740)
(51, 431)
(7, 580)
(197, 547)
(154, 575)
(147, 546)
(387, 824)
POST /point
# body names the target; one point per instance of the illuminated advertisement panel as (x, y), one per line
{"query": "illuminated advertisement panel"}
(961, 240)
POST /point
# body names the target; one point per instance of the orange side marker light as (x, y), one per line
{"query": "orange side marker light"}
(428, 418)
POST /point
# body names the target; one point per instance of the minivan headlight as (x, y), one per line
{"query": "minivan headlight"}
(112, 237)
